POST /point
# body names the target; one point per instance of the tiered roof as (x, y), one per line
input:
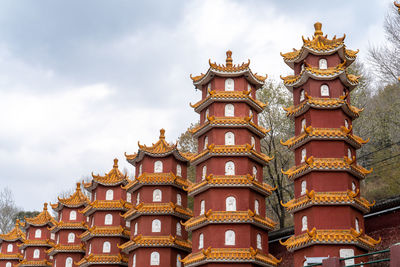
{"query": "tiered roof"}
(320, 45)
(323, 103)
(328, 198)
(156, 179)
(101, 259)
(43, 218)
(228, 70)
(16, 234)
(76, 200)
(231, 255)
(234, 150)
(158, 209)
(327, 164)
(68, 225)
(229, 96)
(159, 149)
(113, 178)
(36, 243)
(239, 122)
(224, 217)
(105, 231)
(331, 236)
(120, 204)
(156, 241)
(229, 181)
(340, 71)
(34, 263)
(311, 133)
(80, 248)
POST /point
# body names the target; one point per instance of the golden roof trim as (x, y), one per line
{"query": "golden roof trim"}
(327, 164)
(62, 247)
(322, 103)
(230, 255)
(113, 177)
(105, 231)
(11, 256)
(156, 208)
(36, 242)
(213, 94)
(235, 149)
(328, 198)
(34, 263)
(228, 180)
(107, 204)
(157, 178)
(41, 219)
(77, 199)
(311, 132)
(331, 236)
(155, 241)
(15, 234)
(69, 225)
(229, 216)
(102, 258)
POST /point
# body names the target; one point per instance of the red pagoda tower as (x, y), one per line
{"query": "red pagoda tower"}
(327, 208)
(71, 224)
(106, 227)
(38, 239)
(229, 227)
(9, 246)
(159, 206)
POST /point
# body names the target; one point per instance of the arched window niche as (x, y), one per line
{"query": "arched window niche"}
(230, 204)
(229, 84)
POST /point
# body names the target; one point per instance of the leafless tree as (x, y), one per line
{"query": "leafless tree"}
(8, 210)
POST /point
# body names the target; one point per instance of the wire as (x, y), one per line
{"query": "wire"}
(373, 163)
(379, 149)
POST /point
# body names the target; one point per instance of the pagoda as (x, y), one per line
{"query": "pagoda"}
(327, 207)
(229, 227)
(38, 239)
(71, 224)
(159, 206)
(106, 229)
(9, 246)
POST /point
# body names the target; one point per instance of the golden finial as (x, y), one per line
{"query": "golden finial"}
(318, 27)
(45, 206)
(229, 58)
(78, 186)
(115, 164)
(17, 222)
(162, 134)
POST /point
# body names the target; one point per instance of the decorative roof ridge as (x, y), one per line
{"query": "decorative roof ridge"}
(105, 230)
(63, 247)
(243, 179)
(229, 94)
(26, 262)
(113, 177)
(77, 199)
(36, 242)
(229, 255)
(68, 225)
(17, 256)
(324, 164)
(336, 197)
(151, 178)
(15, 234)
(102, 258)
(224, 149)
(42, 218)
(160, 147)
(322, 102)
(156, 240)
(310, 132)
(224, 216)
(330, 236)
(161, 207)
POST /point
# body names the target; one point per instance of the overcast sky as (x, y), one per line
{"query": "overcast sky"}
(81, 82)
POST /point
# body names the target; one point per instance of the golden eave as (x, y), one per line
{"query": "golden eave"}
(155, 241)
(309, 133)
(11, 256)
(328, 198)
(231, 255)
(229, 96)
(114, 177)
(104, 231)
(213, 217)
(327, 164)
(156, 179)
(36, 243)
(339, 71)
(66, 248)
(68, 225)
(77, 199)
(161, 147)
(15, 234)
(340, 237)
(106, 205)
(102, 259)
(230, 181)
(34, 263)
(323, 103)
(42, 218)
(235, 150)
(229, 70)
(229, 122)
(157, 209)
